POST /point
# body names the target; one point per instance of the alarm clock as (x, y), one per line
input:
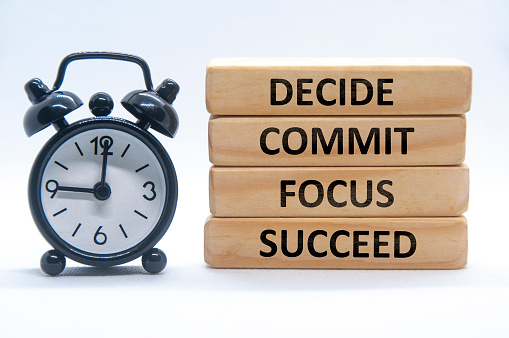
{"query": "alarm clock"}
(103, 190)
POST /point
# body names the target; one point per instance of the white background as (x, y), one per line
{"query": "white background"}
(189, 299)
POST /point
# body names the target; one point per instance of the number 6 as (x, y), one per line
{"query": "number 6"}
(98, 233)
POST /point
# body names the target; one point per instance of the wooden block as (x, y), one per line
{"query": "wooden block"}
(338, 191)
(338, 86)
(337, 141)
(350, 243)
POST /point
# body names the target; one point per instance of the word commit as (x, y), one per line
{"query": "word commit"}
(317, 137)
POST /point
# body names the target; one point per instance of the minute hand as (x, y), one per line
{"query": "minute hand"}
(106, 148)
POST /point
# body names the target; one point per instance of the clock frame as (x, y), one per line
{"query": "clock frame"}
(36, 184)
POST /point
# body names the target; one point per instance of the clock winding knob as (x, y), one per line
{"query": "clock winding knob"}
(101, 104)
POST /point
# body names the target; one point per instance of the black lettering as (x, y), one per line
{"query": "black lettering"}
(388, 143)
(301, 91)
(374, 133)
(284, 243)
(342, 91)
(289, 92)
(268, 242)
(369, 94)
(302, 196)
(263, 141)
(383, 192)
(378, 244)
(304, 141)
(397, 244)
(285, 193)
(353, 194)
(404, 137)
(319, 92)
(357, 243)
(311, 246)
(333, 243)
(330, 194)
(382, 91)
(316, 133)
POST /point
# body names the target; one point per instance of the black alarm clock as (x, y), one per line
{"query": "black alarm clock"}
(103, 190)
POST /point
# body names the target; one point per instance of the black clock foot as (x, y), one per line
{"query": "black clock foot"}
(154, 260)
(52, 262)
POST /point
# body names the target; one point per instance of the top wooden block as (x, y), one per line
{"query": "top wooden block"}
(338, 86)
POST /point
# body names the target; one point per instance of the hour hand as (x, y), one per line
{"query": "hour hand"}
(52, 186)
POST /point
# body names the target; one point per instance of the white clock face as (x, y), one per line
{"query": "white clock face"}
(96, 214)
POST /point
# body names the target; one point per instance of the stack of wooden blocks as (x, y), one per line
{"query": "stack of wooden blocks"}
(337, 163)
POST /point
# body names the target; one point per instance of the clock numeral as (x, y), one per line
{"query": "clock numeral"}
(54, 190)
(105, 141)
(100, 237)
(152, 186)
(95, 140)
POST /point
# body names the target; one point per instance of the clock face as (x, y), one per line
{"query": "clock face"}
(103, 191)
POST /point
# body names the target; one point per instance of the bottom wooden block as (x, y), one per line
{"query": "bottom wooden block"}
(329, 243)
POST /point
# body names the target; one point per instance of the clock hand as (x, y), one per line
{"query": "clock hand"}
(75, 189)
(57, 187)
(106, 146)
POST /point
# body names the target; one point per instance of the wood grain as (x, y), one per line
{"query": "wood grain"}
(295, 191)
(402, 141)
(357, 243)
(409, 86)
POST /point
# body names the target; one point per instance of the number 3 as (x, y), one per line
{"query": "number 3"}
(151, 190)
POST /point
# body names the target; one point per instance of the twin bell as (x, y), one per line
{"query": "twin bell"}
(152, 108)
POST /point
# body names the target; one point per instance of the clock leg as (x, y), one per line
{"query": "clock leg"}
(52, 262)
(154, 260)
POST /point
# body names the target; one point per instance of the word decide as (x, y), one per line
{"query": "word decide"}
(341, 97)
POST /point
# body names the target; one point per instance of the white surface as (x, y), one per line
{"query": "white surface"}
(189, 299)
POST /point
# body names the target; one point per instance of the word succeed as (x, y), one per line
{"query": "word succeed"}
(336, 137)
(357, 243)
(304, 93)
